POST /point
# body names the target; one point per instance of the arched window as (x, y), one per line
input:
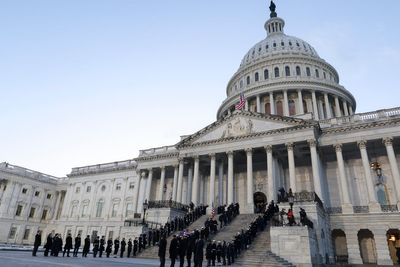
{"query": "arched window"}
(287, 71)
(292, 108)
(298, 71)
(267, 107)
(276, 72)
(241, 84)
(256, 77)
(279, 108)
(99, 208)
(266, 74)
(248, 80)
(316, 73)
(305, 106)
(308, 71)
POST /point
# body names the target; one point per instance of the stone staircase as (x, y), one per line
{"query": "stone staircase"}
(152, 252)
(259, 254)
(242, 221)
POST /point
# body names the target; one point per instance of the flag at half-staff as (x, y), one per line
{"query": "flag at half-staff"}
(242, 102)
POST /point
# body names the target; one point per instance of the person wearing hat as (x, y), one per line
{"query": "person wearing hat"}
(173, 250)
(183, 244)
(213, 252)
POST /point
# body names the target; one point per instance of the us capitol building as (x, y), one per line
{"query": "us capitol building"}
(298, 129)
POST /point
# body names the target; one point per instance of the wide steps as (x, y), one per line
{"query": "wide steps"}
(241, 221)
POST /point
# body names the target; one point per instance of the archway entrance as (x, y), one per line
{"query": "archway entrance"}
(366, 242)
(260, 200)
(340, 246)
(393, 239)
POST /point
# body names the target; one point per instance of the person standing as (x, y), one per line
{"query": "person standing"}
(116, 247)
(48, 245)
(77, 245)
(37, 243)
(183, 243)
(190, 249)
(102, 243)
(86, 246)
(109, 247)
(96, 245)
(135, 246)
(162, 248)
(129, 247)
(198, 253)
(123, 245)
(68, 244)
(173, 250)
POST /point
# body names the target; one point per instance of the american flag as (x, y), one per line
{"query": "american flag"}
(242, 102)
(213, 212)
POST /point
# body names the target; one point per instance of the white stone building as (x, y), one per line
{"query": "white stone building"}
(299, 129)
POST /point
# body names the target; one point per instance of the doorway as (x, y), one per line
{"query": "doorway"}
(260, 201)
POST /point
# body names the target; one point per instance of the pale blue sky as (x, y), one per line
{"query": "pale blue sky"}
(94, 81)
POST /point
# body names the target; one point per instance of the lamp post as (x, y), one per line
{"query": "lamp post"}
(145, 207)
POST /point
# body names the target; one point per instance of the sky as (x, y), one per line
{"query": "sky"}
(95, 81)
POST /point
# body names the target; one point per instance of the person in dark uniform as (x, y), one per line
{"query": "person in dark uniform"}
(219, 251)
(68, 245)
(182, 250)
(223, 253)
(59, 244)
(129, 247)
(162, 249)
(109, 247)
(37, 243)
(190, 249)
(213, 252)
(102, 243)
(86, 246)
(96, 246)
(77, 245)
(140, 243)
(123, 246)
(54, 245)
(173, 250)
(208, 253)
(48, 245)
(198, 253)
(135, 246)
(116, 247)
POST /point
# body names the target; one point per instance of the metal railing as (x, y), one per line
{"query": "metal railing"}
(389, 208)
(159, 204)
(334, 210)
(360, 209)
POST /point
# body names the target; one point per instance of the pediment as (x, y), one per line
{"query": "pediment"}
(242, 123)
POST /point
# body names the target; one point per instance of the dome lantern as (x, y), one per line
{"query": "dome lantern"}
(274, 24)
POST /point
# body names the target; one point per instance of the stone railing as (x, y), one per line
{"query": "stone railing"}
(148, 224)
(361, 117)
(334, 210)
(389, 208)
(157, 150)
(159, 204)
(360, 209)
(308, 197)
(17, 170)
(112, 166)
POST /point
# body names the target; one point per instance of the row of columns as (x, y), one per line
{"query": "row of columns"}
(316, 108)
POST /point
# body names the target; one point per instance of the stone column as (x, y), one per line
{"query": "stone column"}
(346, 205)
(315, 169)
(327, 106)
(271, 179)
(373, 202)
(250, 201)
(285, 104)
(353, 247)
(258, 101)
(292, 167)
(57, 195)
(212, 182)
(196, 179)
(382, 249)
(351, 112)
(6, 198)
(272, 102)
(180, 182)
(337, 107)
(136, 193)
(148, 185)
(175, 185)
(315, 105)
(230, 177)
(162, 182)
(189, 184)
(67, 200)
(220, 183)
(388, 141)
(345, 108)
(300, 101)
(246, 105)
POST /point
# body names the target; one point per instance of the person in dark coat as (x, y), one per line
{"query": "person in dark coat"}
(102, 245)
(135, 246)
(223, 253)
(123, 245)
(58, 244)
(116, 247)
(173, 250)
(68, 245)
(109, 247)
(198, 253)
(37, 243)
(54, 245)
(48, 245)
(140, 243)
(96, 246)
(86, 246)
(162, 249)
(129, 247)
(77, 245)
(208, 253)
(182, 250)
(190, 249)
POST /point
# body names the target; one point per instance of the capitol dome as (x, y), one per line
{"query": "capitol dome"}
(284, 75)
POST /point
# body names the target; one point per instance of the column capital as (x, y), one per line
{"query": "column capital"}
(268, 148)
(196, 157)
(312, 142)
(143, 174)
(175, 165)
(249, 150)
(162, 167)
(212, 155)
(229, 153)
(180, 159)
(150, 170)
(362, 144)
(338, 147)
(290, 146)
(388, 141)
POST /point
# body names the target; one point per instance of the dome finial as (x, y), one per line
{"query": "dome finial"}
(272, 8)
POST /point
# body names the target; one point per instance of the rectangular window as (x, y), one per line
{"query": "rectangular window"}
(94, 235)
(110, 234)
(77, 190)
(48, 196)
(114, 210)
(88, 189)
(24, 190)
(131, 185)
(26, 234)
(37, 193)
(118, 187)
(99, 209)
(32, 212)
(13, 232)
(19, 210)
(44, 214)
(84, 210)
(129, 209)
